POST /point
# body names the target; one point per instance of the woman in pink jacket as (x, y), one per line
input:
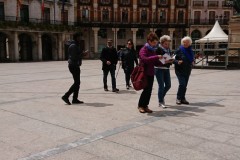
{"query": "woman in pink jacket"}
(148, 57)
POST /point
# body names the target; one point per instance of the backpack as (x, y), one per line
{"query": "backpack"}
(138, 78)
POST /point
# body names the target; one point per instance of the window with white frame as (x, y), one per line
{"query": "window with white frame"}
(85, 14)
(105, 15)
(124, 15)
(163, 16)
(144, 16)
(180, 16)
(125, 2)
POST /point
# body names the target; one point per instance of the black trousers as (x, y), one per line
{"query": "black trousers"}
(105, 75)
(128, 72)
(75, 71)
(182, 88)
(146, 94)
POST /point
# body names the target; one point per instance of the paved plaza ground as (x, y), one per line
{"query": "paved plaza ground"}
(36, 124)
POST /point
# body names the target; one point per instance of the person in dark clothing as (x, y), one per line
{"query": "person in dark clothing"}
(149, 59)
(184, 61)
(109, 60)
(75, 54)
(127, 58)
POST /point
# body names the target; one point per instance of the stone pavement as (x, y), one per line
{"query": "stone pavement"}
(36, 124)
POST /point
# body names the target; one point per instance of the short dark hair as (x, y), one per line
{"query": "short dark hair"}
(152, 37)
(76, 35)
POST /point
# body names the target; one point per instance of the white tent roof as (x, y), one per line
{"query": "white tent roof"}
(215, 35)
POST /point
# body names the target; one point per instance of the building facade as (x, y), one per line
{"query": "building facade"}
(32, 31)
(131, 19)
(204, 13)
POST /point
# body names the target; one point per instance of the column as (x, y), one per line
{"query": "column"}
(7, 49)
(115, 30)
(60, 47)
(95, 30)
(172, 11)
(16, 49)
(134, 30)
(171, 30)
(188, 32)
(39, 47)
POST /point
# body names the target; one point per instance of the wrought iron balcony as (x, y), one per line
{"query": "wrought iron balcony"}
(222, 21)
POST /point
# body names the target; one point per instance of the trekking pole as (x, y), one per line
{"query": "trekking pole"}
(118, 70)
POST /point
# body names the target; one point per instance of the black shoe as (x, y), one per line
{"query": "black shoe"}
(65, 99)
(77, 101)
(115, 90)
(127, 87)
(105, 89)
(184, 101)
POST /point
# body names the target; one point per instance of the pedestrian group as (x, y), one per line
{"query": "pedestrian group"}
(155, 56)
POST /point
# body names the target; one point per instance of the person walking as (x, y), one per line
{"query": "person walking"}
(127, 58)
(109, 58)
(184, 61)
(162, 72)
(75, 54)
(148, 59)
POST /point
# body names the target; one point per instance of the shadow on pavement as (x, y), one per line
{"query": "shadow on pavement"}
(166, 113)
(185, 110)
(127, 91)
(98, 104)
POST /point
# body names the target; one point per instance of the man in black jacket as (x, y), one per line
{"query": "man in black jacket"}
(109, 60)
(74, 63)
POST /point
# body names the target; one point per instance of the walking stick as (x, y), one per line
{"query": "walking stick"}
(118, 70)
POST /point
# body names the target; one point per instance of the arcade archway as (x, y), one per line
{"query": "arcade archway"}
(47, 54)
(3, 47)
(25, 47)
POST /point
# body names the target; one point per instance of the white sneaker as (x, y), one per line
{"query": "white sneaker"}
(162, 105)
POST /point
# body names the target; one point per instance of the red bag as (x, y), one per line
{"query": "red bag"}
(138, 78)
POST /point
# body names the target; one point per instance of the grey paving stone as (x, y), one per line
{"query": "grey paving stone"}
(219, 149)
(106, 149)
(74, 154)
(228, 129)
(209, 134)
(171, 126)
(234, 141)
(34, 119)
(196, 122)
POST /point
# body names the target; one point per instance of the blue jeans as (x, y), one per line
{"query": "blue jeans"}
(182, 88)
(164, 82)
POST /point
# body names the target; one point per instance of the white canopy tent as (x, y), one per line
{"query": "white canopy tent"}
(215, 35)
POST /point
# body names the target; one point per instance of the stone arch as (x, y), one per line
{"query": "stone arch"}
(159, 32)
(47, 47)
(3, 47)
(25, 47)
(196, 34)
(208, 31)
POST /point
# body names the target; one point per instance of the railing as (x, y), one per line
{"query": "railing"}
(198, 3)
(213, 4)
(179, 23)
(208, 21)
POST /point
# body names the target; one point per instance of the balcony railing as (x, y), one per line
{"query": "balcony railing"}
(213, 4)
(208, 21)
(198, 3)
(39, 24)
